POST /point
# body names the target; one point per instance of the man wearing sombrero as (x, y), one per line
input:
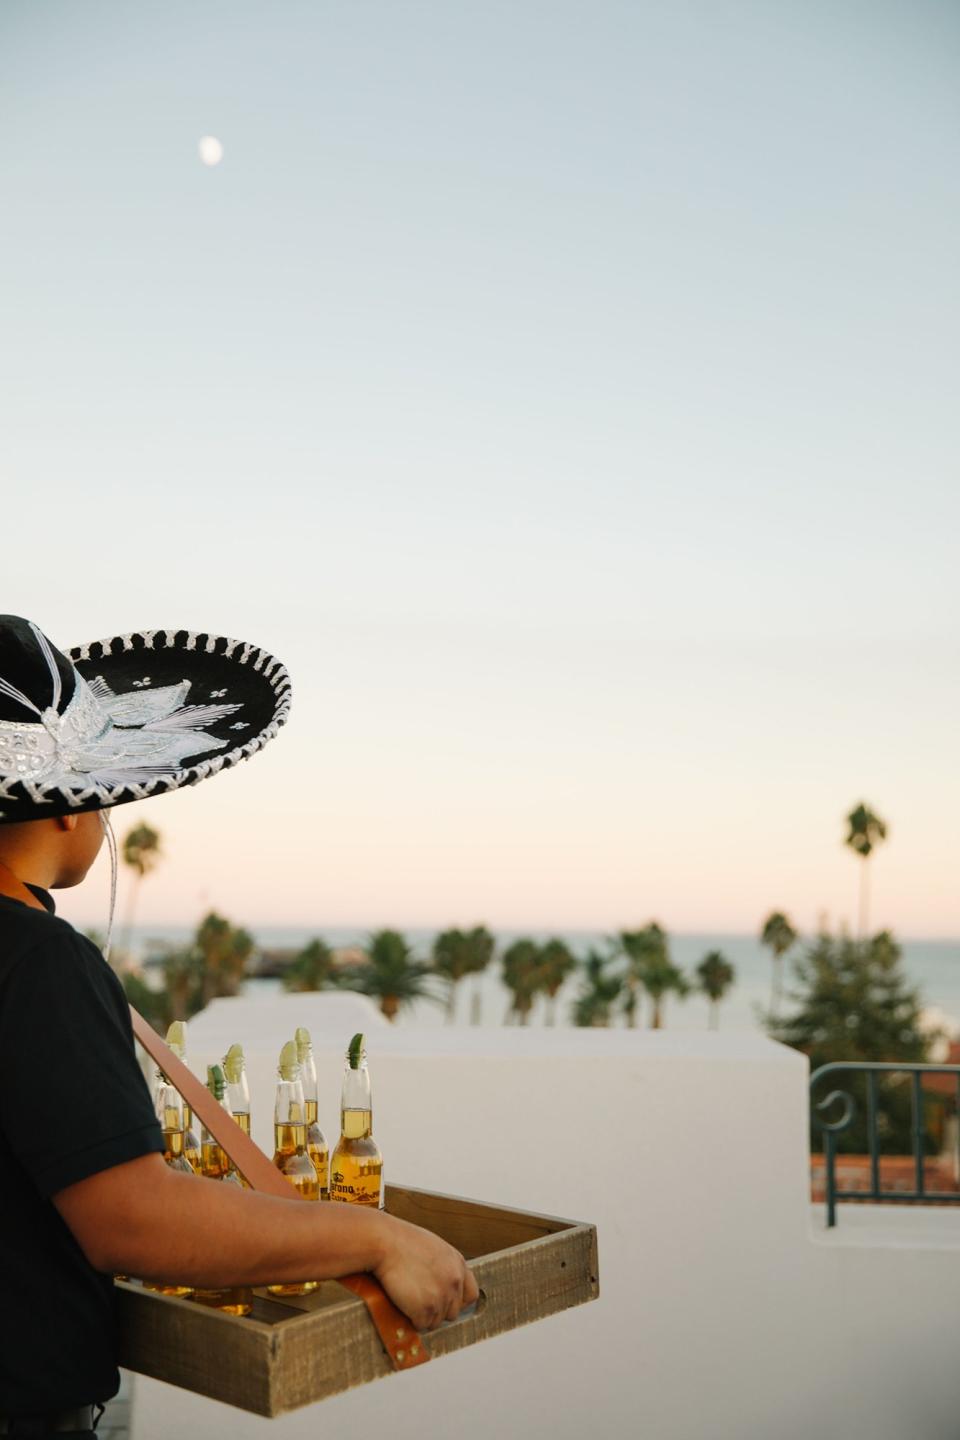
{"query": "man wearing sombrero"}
(84, 1191)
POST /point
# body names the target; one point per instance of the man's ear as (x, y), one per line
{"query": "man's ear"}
(67, 822)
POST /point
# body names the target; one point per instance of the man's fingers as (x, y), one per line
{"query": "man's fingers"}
(471, 1290)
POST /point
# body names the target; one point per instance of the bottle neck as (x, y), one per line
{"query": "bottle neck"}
(205, 1136)
(238, 1094)
(308, 1078)
(289, 1107)
(173, 1144)
(168, 1107)
(356, 1105)
(356, 1124)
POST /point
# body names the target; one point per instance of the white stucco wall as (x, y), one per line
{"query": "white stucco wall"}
(725, 1310)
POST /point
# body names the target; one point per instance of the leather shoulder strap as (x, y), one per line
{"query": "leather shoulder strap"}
(403, 1345)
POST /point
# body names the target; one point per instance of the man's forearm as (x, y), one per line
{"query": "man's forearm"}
(158, 1224)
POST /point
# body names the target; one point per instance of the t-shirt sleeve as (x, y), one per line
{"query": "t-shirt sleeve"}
(73, 1100)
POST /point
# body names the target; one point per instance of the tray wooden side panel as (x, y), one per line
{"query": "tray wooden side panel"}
(471, 1227)
(525, 1284)
(197, 1348)
(332, 1347)
(324, 1352)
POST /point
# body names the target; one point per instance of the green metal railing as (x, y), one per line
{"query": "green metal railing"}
(832, 1129)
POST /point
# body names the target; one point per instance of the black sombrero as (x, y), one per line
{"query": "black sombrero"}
(126, 718)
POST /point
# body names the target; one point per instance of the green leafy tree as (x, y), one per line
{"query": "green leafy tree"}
(852, 1001)
(141, 852)
(599, 991)
(451, 961)
(311, 969)
(650, 969)
(522, 975)
(391, 973)
(779, 936)
(557, 962)
(481, 946)
(212, 964)
(865, 832)
(184, 983)
(456, 954)
(153, 1005)
(224, 951)
(715, 975)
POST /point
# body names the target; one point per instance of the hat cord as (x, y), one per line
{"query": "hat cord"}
(112, 847)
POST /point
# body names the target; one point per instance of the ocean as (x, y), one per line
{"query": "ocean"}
(933, 966)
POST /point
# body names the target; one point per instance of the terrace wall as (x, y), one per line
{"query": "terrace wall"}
(726, 1312)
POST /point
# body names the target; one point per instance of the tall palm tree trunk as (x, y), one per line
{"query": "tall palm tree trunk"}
(125, 956)
(657, 1022)
(864, 900)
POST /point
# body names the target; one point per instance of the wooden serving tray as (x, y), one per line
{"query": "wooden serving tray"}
(292, 1351)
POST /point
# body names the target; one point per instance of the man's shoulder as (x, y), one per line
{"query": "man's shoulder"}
(45, 937)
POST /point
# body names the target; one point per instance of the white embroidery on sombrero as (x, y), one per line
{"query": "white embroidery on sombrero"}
(105, 739)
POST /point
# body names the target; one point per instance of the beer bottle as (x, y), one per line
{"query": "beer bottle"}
(169, 1108)
(356, 1169)
(217, 1165)
(177, 1040)
(317, 1147)
(290, 1156)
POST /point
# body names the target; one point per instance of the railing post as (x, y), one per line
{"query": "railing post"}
(829, 1157)
(872, 1134)
(918, 1131)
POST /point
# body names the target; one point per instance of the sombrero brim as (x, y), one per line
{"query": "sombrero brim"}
(155, 710)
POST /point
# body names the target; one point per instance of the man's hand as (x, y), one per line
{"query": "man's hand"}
(425, 1277)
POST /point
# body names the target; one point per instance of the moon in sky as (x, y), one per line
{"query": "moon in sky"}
(211, 151)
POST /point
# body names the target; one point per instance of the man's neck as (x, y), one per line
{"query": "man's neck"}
(30, 868)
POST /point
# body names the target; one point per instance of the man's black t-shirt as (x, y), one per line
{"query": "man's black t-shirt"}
(73, 1102)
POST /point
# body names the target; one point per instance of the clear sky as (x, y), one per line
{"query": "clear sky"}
(567, 392)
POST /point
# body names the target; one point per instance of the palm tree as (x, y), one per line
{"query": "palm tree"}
(650, 968)
(635, 944)
(522, 976)
(391, 973)
(556, 963)
(311, 969)
(779, 936)
(599, 992)
(224, 951)
(660, 979)
(142, 852)
(183, 984)
(458, 953)
(867, 831)
(716, 975)
(481, 947)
